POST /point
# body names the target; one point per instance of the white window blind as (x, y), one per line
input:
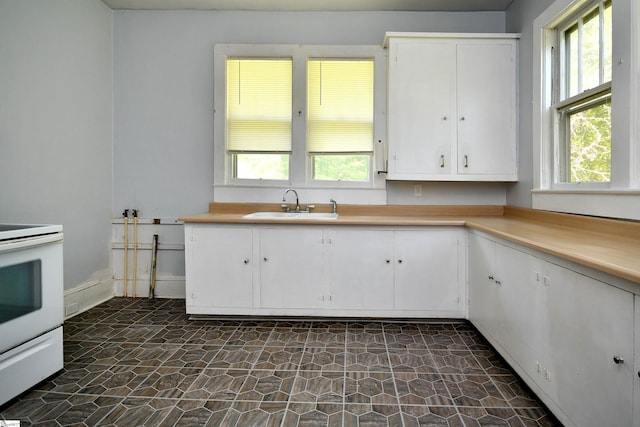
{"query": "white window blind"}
(258, 101)
(340, 106)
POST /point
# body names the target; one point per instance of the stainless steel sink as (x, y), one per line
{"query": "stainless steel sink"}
(291, 215)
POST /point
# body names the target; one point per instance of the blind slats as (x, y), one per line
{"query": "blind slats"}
(259, 105)
(339, 137)
(340, 106)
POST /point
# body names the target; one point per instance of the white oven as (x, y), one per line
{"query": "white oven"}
(31, 306)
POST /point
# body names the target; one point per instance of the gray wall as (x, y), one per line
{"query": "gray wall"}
(163, 90)
(56, 125)
(520, 16)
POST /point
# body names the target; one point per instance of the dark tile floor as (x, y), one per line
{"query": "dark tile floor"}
(134, 362)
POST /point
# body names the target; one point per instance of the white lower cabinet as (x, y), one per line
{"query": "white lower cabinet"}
(328, 271)
(589, 324)
(568, 335)
(416, 272)
(218, 268)
(518, 293)
(483, 291)
(291, 268)
(360, 264)
(502, 295)
(430, 272)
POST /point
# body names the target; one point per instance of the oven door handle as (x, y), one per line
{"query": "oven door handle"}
(30, 242)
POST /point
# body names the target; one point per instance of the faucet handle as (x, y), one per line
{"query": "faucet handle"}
(309, 207)
(285, 207)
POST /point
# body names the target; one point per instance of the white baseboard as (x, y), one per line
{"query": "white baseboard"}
(87, 295)
(166, 287)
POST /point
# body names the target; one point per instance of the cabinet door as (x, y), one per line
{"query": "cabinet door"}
(291, 268)
(588, 323)
(483, 292)
(361, 269)
(486, 104)
(421, 95)
(218, 267)
(429, 271)
(518, 295)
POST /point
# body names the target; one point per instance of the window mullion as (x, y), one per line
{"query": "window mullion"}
(298, 123)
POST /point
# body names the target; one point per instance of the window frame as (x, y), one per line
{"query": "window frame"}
(300, 162)
(621, 197)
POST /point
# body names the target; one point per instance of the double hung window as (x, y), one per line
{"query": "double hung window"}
(582, 63)
(340, 119)
(258, 122)
(585, 108)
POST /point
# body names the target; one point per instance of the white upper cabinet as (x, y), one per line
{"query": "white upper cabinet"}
(452, 107)
(419, 130)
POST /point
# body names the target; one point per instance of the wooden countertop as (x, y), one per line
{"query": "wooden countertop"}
(611, 246)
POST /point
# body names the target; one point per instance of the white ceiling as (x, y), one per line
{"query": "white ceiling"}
(315, 5)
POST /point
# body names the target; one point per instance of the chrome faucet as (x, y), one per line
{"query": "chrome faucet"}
(335, 206)
(284, 199)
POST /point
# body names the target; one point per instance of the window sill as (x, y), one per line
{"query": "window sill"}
(610, 203)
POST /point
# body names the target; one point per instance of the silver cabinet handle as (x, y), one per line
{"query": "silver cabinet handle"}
(466, 161)
(246, 261)
(618, 360)
(442, 160)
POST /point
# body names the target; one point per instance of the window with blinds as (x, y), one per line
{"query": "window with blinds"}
(298, 115)
(340, 95)
(258, 117)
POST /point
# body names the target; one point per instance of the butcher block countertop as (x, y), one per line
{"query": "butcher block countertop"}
(611, 246)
